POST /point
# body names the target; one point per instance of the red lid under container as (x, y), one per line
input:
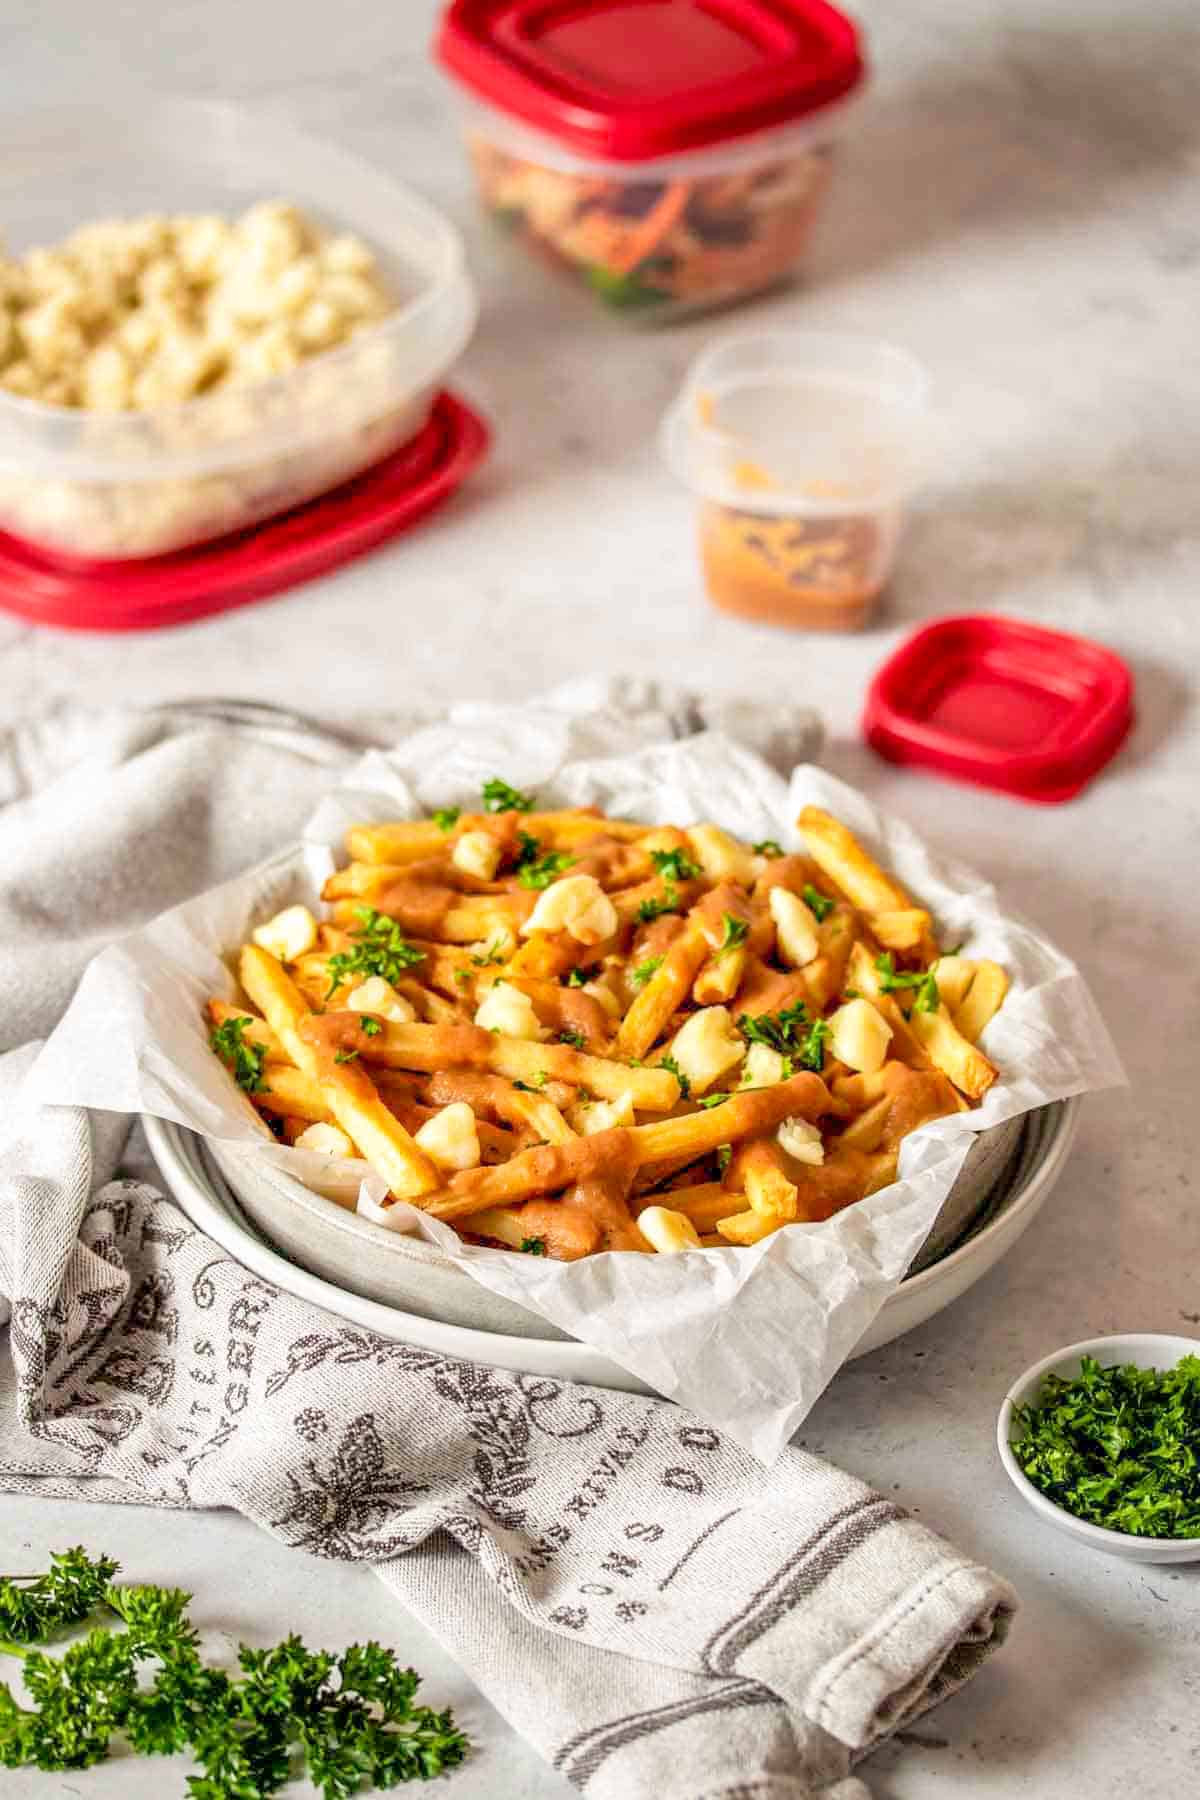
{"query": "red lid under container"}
(264, 559)
(1002, 704)
(632, 80)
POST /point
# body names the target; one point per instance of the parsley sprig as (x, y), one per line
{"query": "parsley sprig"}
(1119, 1447)
(447, 817)
(639, 976)
(499, 797)
(534, 1246)
(536, 868)
(792, 1034)
(351, 1717)
(819, 904)
(926, 999)
(381, 948)
(736, 933)
(685, 1086)
(769, 848)
(675, 865)
(243, 1059)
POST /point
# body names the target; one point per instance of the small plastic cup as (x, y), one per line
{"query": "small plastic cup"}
(802, 449)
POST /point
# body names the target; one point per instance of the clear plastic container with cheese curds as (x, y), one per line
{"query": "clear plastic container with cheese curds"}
(802, 449)
(673, 155)
(97, 486)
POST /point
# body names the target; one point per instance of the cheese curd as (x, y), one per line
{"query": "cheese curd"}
(127, 315)
(507, 1010)
(707, 1046)
(578, 905)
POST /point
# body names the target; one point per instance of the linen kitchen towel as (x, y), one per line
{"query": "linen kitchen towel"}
(654, 1610)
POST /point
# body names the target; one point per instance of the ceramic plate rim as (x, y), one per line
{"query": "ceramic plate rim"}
(544, 1356)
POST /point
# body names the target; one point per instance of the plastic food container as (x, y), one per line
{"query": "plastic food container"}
(673, 153)
(101, 486)
(1030, 711)
(802, 448)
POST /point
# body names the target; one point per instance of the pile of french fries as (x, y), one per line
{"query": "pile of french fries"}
(563, 1033)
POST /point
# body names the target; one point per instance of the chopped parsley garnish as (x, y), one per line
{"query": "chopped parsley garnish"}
(534, 1246)
(649, 910)
(791, 1033)
(499, 797)
(926, 999)
(768, 847)
(462, 977)
(724, 1157)
(346, 1056)
(819, 904)
(496, 952)
(148, 1686)
(381, 948)
(371, 1027)
(1119, 1447)
(243, 1060)
(535, 870)
(580, 977)
(736, 933)
(675, 865)
(685, 1086)
(640, 976)
(536, 1085)
(571, 1035)
(708, 1100)
(447, 817)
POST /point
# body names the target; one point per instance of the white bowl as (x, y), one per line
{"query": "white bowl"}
(193, 1177)
(1150, 1350)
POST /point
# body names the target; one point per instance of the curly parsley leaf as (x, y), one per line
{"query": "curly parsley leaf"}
(499, 797)
(535, 869)
(351, 1717)
(675, 865)
(640, 976)
(372, 1027)
(819, 904)
(724, 1157)
(768, 847)
(35, 1607)
(649, 910)
(534, 1246)
(685, 1086)
(791, 1033)
(380, 948)
(571, 1035)
(581, 976)
(926, 998)
(243, 1059)
(447, 817)
(736, 933)
(495, 952)
(1119, 1447)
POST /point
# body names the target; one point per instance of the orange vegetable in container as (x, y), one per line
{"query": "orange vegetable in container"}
(673, 155)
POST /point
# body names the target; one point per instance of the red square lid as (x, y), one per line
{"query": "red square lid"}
(631, 80)
(1002, 704)
(261, 560)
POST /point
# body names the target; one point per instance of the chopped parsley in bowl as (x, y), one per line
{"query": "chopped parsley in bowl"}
(1103, 1439)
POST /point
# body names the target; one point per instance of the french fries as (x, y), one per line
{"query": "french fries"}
(609, 1079)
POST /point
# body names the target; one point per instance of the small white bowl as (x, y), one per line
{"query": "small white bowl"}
(1150, 1350)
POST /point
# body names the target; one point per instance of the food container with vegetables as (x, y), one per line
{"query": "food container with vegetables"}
(672, 155)
(205, 320)
(802, 449)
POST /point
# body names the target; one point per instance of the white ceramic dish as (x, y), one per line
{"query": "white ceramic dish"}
(406, 1272)
(1150, 1350)
(199, 1188)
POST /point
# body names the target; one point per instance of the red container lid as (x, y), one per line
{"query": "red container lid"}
(264, 559)
(630, 80)
(1002, 704)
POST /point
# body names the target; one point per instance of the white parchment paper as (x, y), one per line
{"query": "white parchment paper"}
(747, 1338)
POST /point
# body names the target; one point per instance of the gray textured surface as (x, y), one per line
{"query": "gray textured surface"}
(1020, 207)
